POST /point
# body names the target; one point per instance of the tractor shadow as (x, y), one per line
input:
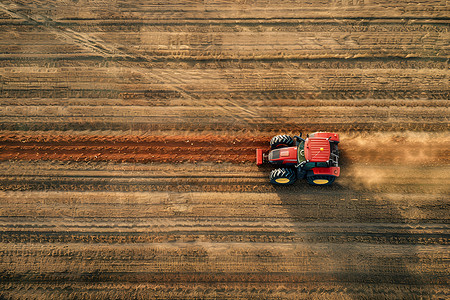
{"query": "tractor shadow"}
(361, 240)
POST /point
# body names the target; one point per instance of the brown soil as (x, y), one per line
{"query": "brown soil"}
(129, 148)
(128, 136)
(398, 149)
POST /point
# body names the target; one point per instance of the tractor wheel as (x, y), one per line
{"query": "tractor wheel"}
(282, 176)
(320, 179)
(281, 141)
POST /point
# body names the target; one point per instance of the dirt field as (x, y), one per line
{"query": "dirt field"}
(128, 132)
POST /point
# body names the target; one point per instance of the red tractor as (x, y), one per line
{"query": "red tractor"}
(315, 158)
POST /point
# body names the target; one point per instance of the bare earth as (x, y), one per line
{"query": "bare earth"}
(128, 132)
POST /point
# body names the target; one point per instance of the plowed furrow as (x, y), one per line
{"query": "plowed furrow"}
(228, 9)
(396, 149)
(223, 277)
(222, 236)
(213, 290)
(274, 125)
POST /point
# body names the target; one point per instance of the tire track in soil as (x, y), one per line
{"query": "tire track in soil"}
(66, 34)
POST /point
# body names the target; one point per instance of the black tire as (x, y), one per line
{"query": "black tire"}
(282, 176)
(279, 141)
(320, 179)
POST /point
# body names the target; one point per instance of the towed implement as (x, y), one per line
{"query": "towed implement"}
(315, 158)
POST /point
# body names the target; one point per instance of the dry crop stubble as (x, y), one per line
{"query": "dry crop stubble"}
(268, 233)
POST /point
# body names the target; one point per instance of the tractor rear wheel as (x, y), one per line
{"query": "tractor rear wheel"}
(320, 179)
(283, 140)
(282, 176)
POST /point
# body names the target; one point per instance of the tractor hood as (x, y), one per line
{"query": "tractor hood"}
(317, 149)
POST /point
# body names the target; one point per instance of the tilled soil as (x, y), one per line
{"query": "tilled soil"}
(128, 137)
(374, 148)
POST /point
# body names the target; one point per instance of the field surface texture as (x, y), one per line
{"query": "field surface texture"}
(128, 132)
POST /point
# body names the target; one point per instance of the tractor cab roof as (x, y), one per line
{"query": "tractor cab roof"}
(317, 149)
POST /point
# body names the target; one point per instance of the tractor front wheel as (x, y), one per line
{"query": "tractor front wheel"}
(282, 176)
(320, 179)
(283, 140)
